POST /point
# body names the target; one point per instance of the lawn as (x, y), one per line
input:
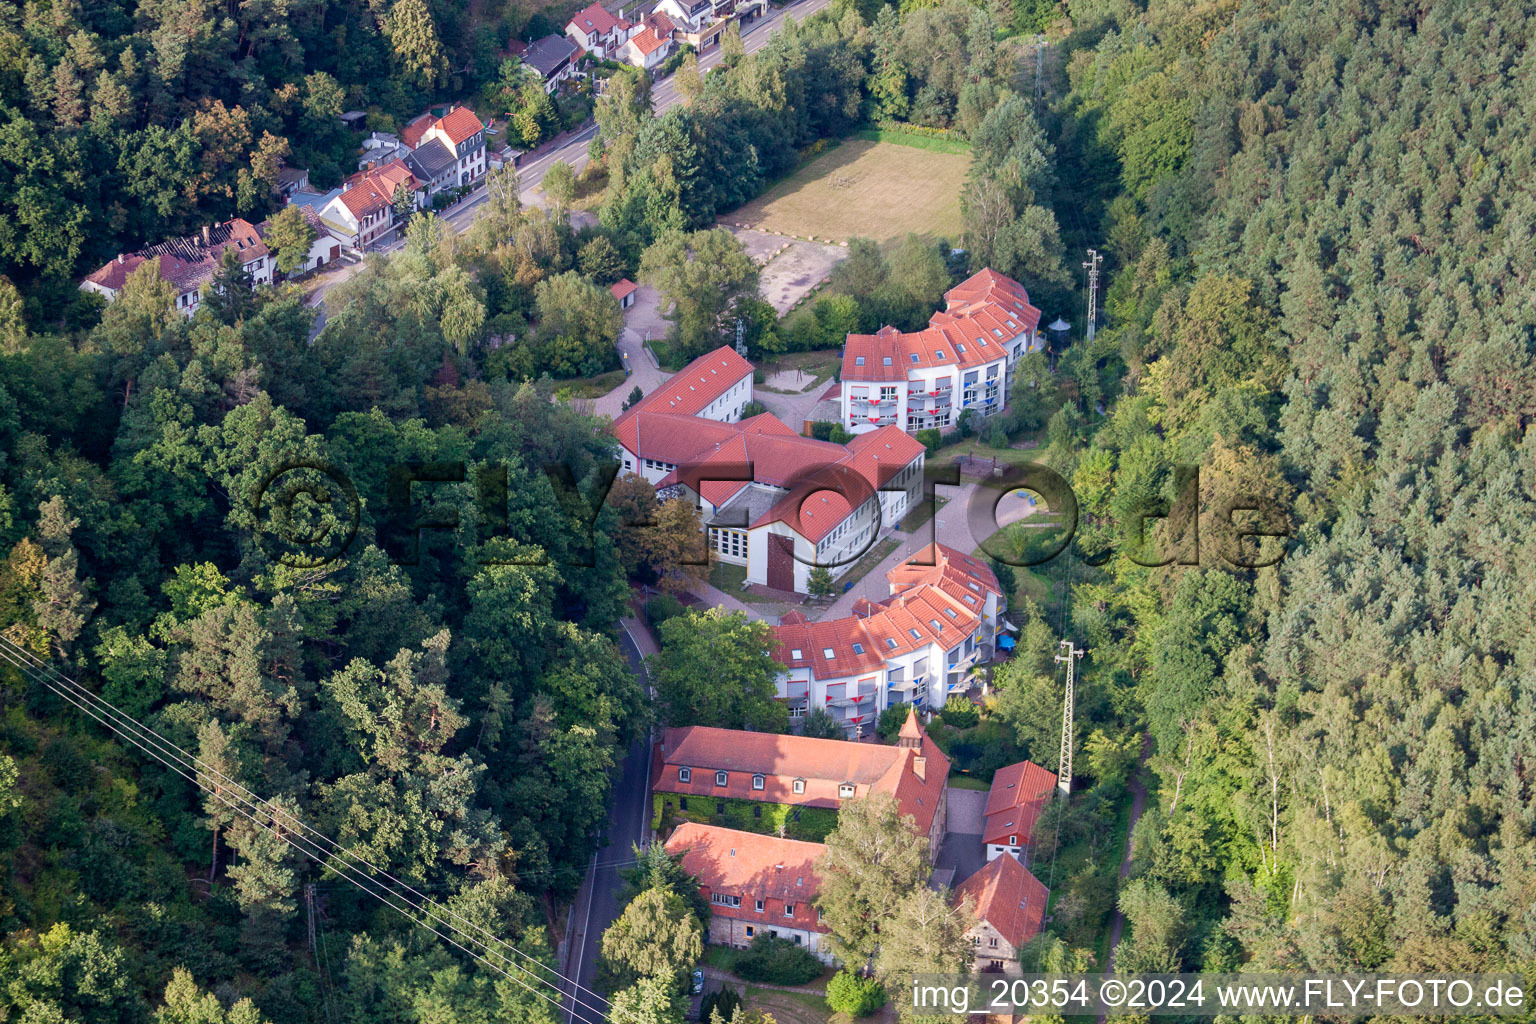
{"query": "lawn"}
(879, 190)
(592, 387)
(914, 141)
(729, 577)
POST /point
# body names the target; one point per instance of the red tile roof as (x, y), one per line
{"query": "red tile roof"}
(660, 24)
(939, 565)
(460, 124)
(412, 133)
(1005, 895)
(188, 262)
(696, 385)
(942, 610)
(594, 19)
(646, 42)
(823, 765)
(622, 288)
(1019, 793)
(376, 188)
(780, 872)
(980, 314)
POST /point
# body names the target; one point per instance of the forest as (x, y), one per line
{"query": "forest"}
(1317, 226)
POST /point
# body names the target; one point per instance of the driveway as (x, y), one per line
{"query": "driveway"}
(641, 321)
(967, 810)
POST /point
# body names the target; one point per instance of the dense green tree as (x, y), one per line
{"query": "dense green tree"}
(874, 858)
(714, 668)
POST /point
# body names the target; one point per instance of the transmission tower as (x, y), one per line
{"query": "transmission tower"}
(309, 905)
(1039, 66)
(1092, 263)
(1064, 765)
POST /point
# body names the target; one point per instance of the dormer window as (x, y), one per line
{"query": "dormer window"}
(845, 791)
(798, 786)
(684, 774)
(858, 360)
(858, 648)
(828, 653)
(886, 361)
(758, 782)
(796, 654)
(914, 357)
(721, 778)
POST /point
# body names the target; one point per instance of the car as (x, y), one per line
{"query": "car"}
(698, 981)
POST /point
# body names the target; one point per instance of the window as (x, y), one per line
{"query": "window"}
(992, 941)
(682, 803)
(828, 653)
(858, 360)
(914, 357)
(719, 807)
(858, 648)
(1013, 840)
(757, 782)
(798, 785)
(845, 790)
(749, 931)
(789, 910)
(758, 906)
(796, 654)
(725, 900)
(684, 774)
(886, 361)
(890, 642)
(721, 778)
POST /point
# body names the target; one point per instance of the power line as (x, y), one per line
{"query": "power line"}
(181, 762)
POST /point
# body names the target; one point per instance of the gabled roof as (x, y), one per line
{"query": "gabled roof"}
(623, 288)
(376, 188)
(187, 262)
(981, 313)
(695, 386)
(550, 54)
(1005, 895)
(647, 42)
(938, 565)
(1019, 793)
(823, 765)
(418, 126)
(660, 24)
(460, 124)
(594, 19)
(430, 160)
(752, 866)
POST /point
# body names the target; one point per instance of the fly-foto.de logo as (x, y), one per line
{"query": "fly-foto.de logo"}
(307, 513)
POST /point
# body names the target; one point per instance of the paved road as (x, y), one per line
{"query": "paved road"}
(663, 95)
(597, 904)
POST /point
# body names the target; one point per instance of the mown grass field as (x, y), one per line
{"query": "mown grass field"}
(880, 190)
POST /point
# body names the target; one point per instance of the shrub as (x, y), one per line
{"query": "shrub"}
(854, 995)
(891, 721)
(821, 430)
(726, 1001)
(775, 961)
(821, 725)
(664, 607)
(930, 439)
(961, 713)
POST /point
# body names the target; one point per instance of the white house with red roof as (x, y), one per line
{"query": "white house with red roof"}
(599, 32)
(1007, 905)
(1019, 793)
(917, 647)
(774, 501)
(190, 263)
(710, 765)
(961, 360)
(460, 132)
(365, 209)
(756, 884)
(647, 48)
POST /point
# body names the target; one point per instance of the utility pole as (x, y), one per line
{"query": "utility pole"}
(1039, 63)
(1092, 263)
(309, 904)
(1064, 765)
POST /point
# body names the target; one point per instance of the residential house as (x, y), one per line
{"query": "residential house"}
(646, 49)
(365, 210)
(773, 501)
(324, 249)
(598, 32)
(624, 290)
(291, 180)
(756, 884)
(190, 263)
(1019, 793)
(701, 23)
(1007, 905)
(554, 58)
(917, 647)
(416, 129)
(712, 765)
(433, 165)
(380, 148)
(460, 132)
(962, 360)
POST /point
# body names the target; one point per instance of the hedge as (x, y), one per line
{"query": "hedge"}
(809, 824)
(775, 961)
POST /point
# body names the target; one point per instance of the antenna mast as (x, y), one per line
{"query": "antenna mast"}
(1064, 765)
(1092, 263)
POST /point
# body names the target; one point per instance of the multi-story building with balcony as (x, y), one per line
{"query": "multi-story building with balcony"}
(962, 360)
(917, 647)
